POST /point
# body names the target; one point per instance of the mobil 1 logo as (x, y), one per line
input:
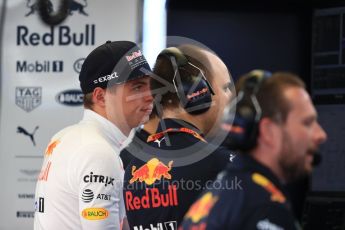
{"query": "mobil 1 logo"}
(46, 66)
(28, 98)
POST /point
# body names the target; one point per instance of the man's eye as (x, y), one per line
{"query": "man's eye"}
(308, 122)
(137, 88)
(227, 86)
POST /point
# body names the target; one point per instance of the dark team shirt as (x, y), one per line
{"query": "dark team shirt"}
(136, 145)
(245, 196)
(158, 191)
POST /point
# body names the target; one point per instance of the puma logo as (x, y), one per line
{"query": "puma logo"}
(26, 133)
(232, 157)
(159, 141)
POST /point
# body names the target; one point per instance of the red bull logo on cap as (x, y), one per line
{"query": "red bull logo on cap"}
(134, 55)
(152, 171)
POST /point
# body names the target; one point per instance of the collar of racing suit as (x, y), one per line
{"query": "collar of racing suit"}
(166, 123)
(247, 163)
(108, 129)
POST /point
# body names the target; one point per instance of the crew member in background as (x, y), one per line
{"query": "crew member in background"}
(80, 185)
(191, 87)
(277, 132)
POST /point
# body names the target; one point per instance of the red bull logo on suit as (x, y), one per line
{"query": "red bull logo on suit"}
(154, 170)
(151, 171)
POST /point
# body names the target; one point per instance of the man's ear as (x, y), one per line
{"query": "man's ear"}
(98, 96)
(269, 132)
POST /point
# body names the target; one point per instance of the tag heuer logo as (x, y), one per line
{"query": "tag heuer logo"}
(28, 98)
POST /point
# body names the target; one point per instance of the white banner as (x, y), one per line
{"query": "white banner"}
(40, 88)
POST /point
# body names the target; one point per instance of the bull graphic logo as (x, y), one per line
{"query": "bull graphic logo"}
(34, 7)
(26, 133)
(151, 171)
(202, 207)
(74, 6)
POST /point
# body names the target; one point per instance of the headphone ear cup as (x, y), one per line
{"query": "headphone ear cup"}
(243, 132)
(196, 96)
(243, 127)
(248, 114)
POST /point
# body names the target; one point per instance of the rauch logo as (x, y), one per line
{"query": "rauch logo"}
(95, 213)
(72, 97)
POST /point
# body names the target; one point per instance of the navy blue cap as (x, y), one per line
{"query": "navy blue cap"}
(112, 63)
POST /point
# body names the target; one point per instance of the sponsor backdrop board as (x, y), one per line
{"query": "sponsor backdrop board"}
(40, 89)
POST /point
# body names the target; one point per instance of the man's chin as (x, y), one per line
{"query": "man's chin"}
(309, 164)
(308, 169)
(296, 173)
(144, 120)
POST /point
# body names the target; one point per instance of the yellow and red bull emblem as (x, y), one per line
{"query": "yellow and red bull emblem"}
(95, 213)
(276, 194)
(52, 145)
(151, 171)
(201, 208)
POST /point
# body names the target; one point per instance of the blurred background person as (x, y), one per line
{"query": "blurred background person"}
(276, 130)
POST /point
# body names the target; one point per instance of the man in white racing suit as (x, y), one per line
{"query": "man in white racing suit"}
(80, 184)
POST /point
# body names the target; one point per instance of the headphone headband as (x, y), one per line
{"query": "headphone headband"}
(174, 52)
(195, 91)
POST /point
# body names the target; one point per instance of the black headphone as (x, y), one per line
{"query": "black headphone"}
(193, 92)
(243, 125)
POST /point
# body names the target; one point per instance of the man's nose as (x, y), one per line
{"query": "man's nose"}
(148, 95)
(320, 134)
